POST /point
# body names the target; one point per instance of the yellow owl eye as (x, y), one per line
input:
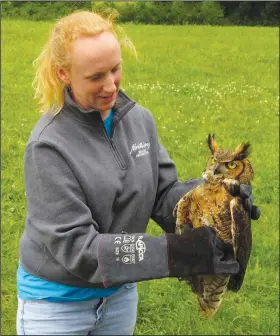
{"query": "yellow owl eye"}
(231, 165)
(212, 161)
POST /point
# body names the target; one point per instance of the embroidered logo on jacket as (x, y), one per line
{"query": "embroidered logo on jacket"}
(140, 149)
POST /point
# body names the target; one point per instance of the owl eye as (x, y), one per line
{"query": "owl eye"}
(231, 165)
(213, 161)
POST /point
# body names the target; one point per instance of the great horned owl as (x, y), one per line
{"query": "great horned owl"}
(212, 203)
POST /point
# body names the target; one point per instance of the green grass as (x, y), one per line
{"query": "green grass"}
(195, 80)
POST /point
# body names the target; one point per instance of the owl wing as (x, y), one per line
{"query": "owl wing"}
(183, 212)
(242, 241)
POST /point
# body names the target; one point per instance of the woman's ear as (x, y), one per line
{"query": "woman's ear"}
(62, 74)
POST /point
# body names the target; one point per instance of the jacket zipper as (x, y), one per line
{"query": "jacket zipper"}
(114, 148)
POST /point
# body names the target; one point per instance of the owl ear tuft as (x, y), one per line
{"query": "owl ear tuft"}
(242, 151)
(212, 144)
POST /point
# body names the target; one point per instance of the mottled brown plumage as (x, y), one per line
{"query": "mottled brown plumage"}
(212, 204)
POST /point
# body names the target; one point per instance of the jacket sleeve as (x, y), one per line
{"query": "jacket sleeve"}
(169, 191)
(61, 223)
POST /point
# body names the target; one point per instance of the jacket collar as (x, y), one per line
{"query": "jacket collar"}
(123, 105)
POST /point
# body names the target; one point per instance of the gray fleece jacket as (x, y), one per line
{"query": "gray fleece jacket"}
(90, 197)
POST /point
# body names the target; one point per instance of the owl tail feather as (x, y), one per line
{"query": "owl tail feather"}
(212, 296)
(208, 310)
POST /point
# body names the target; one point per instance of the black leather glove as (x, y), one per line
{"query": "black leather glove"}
(245, 192)
(199, 251)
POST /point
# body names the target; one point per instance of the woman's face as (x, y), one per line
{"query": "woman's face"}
(95, 73)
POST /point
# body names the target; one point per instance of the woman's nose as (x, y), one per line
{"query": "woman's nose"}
(109, 85)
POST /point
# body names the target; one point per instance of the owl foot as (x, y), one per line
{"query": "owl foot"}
(181, 228)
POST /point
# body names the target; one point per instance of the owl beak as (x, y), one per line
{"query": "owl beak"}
(217, 169)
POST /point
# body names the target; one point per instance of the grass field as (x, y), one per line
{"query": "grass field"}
(195, 80)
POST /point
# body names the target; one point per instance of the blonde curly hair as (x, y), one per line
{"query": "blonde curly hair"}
(49, 89)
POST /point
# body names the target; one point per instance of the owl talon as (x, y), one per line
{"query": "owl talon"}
(181, 228)
(178, 230)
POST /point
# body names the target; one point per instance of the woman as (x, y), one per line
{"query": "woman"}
(95, 173)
